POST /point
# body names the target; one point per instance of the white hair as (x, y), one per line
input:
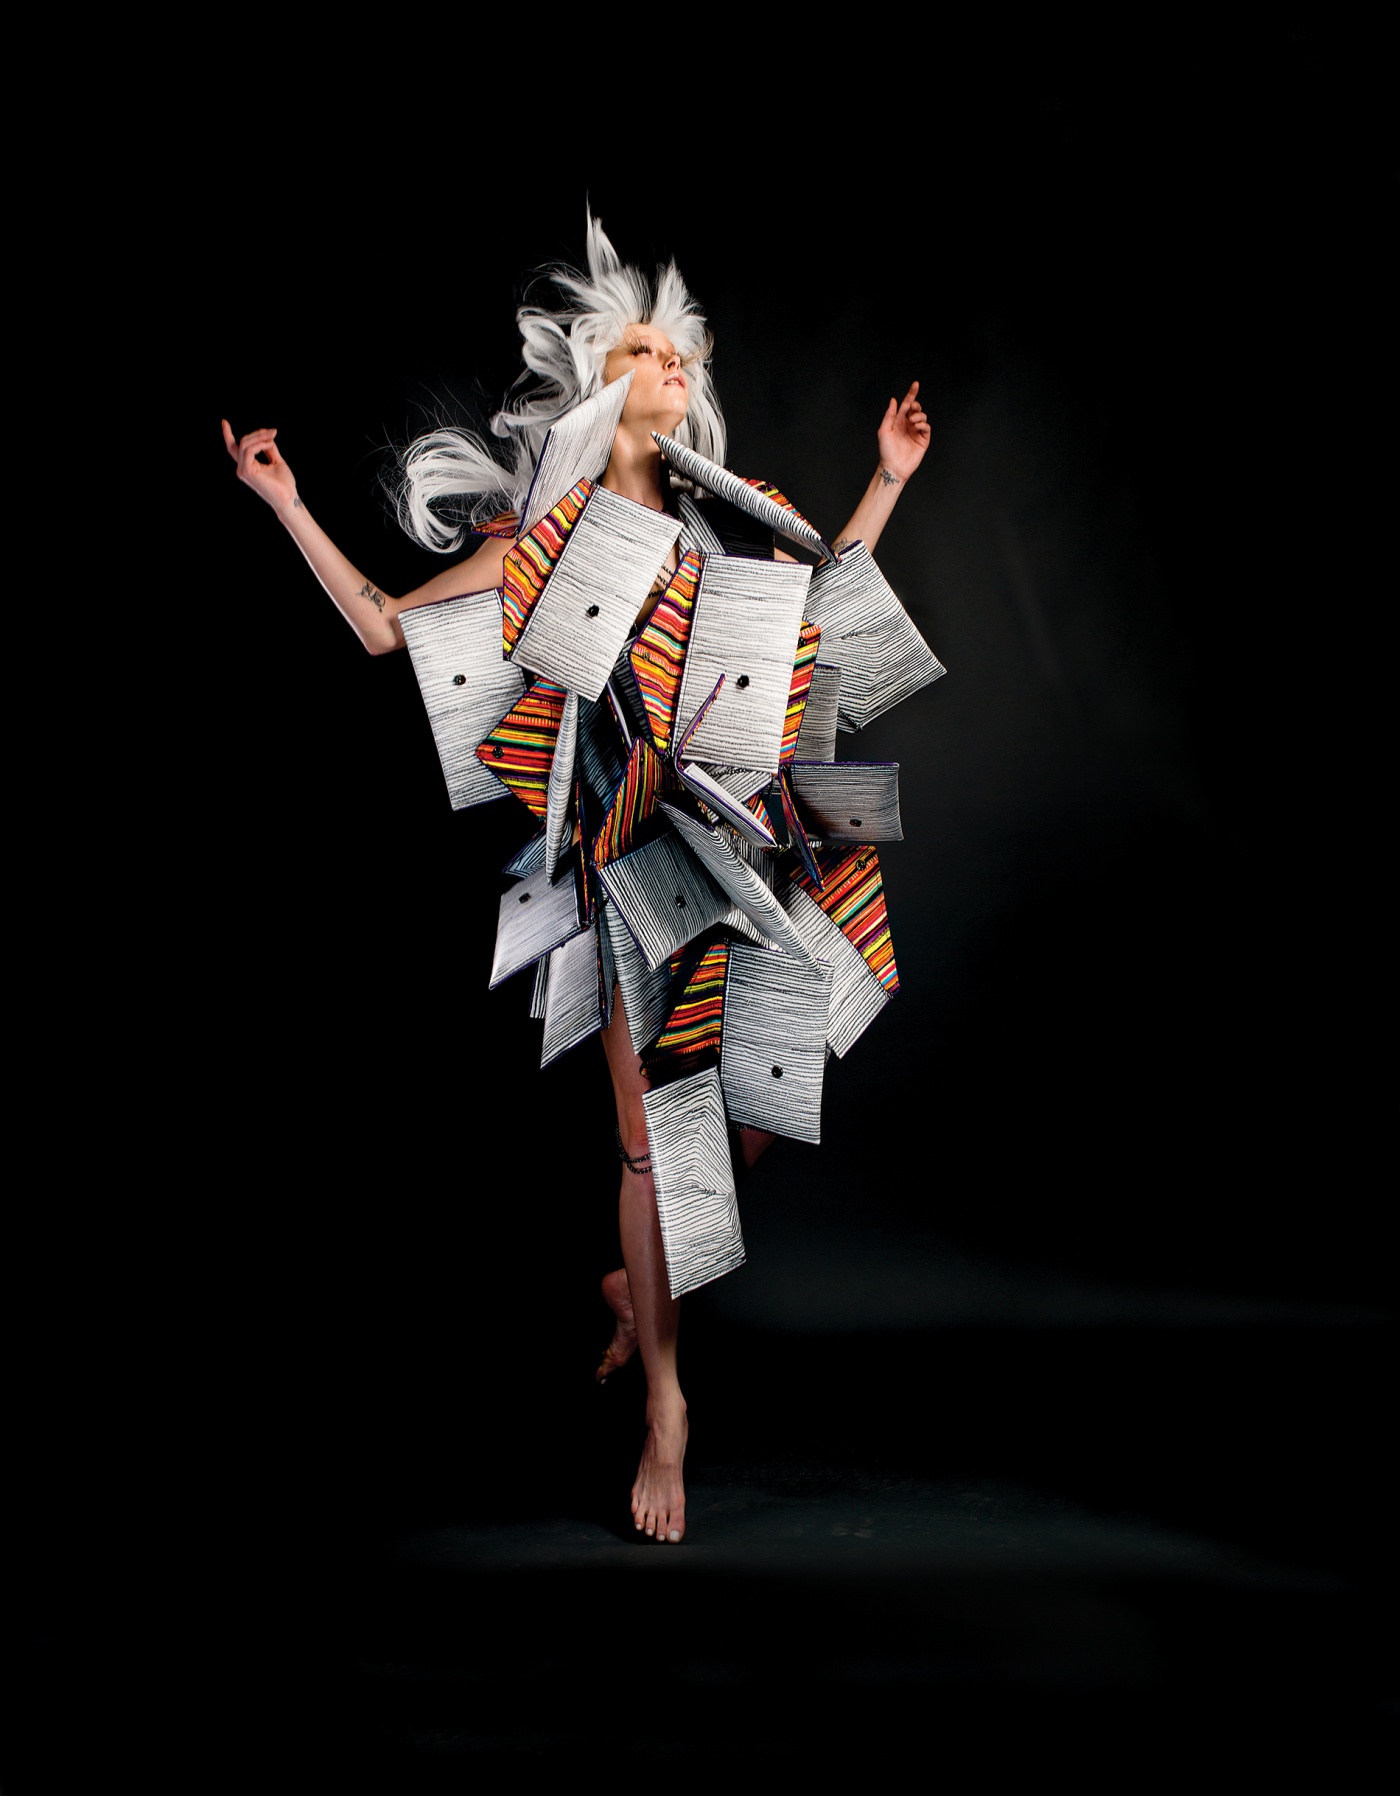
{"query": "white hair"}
(448, 478)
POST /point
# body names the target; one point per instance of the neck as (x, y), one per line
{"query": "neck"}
(634, 468)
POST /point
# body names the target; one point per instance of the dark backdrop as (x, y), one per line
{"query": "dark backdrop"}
(1134, 281)
(318, 1244)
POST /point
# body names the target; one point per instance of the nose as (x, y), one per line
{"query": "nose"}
(672, 361)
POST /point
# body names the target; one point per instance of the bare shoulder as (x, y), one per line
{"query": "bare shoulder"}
(480, 571)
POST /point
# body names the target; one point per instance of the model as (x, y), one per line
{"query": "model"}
(614, 559)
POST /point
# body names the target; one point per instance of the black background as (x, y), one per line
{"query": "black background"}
(1135, 278)
(1121, 283)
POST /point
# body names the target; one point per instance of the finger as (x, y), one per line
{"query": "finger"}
(259, 437)
(248, 454)
(912, 394)
(229, 443)
(890, 410)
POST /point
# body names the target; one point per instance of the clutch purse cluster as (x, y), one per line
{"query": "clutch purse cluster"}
(696, 846)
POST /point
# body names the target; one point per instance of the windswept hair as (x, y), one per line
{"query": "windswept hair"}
(449, 479)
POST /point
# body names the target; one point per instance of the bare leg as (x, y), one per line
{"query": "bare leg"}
(658, 1495)
(617, 1294)
(753, 1142)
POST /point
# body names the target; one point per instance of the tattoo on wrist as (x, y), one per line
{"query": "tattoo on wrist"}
(297, 504)
(842, 542)
(368, 592)
(888, 479)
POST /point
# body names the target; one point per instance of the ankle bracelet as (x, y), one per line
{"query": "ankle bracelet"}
(641, 1166)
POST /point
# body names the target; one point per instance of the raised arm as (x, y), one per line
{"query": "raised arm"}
(373, 615)
(903, 437)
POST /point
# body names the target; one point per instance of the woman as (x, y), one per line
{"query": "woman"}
(613, 324)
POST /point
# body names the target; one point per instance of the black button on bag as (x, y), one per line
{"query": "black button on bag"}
(742, 681)
(680, 900)
(855, 822)
(498, 752)
(524, 897)
(459, 679)
(777, 1072)
(592, 611)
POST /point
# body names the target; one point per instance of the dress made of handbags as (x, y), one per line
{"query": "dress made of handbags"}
(695, 847)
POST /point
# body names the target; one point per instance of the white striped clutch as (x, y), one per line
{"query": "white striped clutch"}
(694, 1174)
(665, 896)
(535, 917)
(716, 479)
(571, 1008)
(849, 801)
(773, 1050)
(455, 648)
(584, 614)
(576, 447)
(733, 875)
(869, 635)
(748, 615)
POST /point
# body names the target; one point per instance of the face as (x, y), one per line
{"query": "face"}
(660, 388)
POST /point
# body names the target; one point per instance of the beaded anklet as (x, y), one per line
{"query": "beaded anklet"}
(640, 1166)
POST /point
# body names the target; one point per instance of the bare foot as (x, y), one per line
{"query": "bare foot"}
(658, 1496)
(618, 1297)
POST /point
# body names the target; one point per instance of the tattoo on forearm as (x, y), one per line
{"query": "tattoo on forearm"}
(842, 542)
(297, 504)
(368, 592)
(887, 478)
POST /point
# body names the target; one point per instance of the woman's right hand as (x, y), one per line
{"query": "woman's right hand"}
(272, 479)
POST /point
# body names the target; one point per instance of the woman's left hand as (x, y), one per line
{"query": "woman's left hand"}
(904, 435)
